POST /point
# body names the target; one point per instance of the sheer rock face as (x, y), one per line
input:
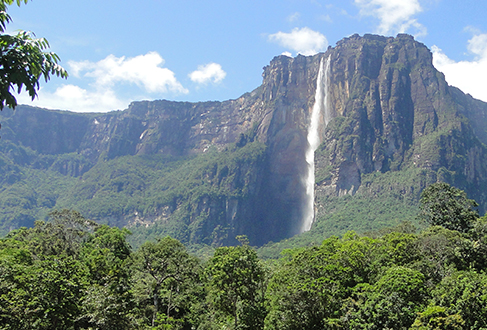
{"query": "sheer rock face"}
(390, 108)
(394, 110)
(384, 93)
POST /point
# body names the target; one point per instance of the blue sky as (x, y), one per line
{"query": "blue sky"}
(118, 51)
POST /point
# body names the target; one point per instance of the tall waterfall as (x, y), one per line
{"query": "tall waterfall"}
(321, 104)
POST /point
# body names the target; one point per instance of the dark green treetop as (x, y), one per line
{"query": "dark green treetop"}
(447, 206)
(236, 283)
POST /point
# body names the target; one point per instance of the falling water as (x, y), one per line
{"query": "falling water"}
(321, 103)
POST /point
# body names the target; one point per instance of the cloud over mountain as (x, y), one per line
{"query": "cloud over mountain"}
(469, 76)
(395, 16)
(211, 72)
(145, 71)
(106, 77)
(303, 41)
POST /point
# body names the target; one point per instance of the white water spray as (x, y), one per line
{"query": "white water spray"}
(321, 104)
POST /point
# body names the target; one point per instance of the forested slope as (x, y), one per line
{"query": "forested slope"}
(72, 273)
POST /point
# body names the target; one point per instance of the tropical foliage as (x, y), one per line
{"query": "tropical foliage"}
(72, 273)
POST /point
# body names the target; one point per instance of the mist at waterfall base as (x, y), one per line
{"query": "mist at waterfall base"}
(319, 112)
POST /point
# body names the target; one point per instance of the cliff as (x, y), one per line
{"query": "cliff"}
(206, 172)
(396, 125)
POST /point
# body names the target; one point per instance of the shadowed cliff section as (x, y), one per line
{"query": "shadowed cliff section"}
(206, 172)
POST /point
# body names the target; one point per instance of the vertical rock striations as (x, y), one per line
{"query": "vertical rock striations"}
(387, 110)
(395, 113)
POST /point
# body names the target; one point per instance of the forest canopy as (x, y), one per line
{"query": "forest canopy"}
(71, 273)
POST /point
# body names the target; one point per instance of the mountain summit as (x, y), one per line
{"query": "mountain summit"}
(385, 119)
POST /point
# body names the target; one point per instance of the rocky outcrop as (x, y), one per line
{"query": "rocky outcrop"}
(393, 110)
(384, 93)
(390, 111)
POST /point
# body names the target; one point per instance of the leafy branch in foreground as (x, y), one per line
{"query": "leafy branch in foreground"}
(23, 61)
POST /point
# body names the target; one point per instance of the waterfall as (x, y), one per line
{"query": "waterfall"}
(321, 104)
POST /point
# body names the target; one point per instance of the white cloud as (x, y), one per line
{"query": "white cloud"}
(144, 70)
(478, 45)
(469, 76)
(396, 16)
(211, 72)
(75, 98)
(303, 41)
(104, 82)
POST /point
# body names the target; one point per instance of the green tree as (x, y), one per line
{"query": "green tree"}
(38, 291)
(15, 259)
(392, 302)
(23, 60)
(64, 234)
(108, 300)
(165, 271)
(436, 318)
(68, 273)
(478, 236)
(309, 290)
(464, 293)
(303, 293)
(442, 251)
(237, 285)
(447, 206)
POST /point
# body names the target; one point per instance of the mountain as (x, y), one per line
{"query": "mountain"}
(387, 122)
